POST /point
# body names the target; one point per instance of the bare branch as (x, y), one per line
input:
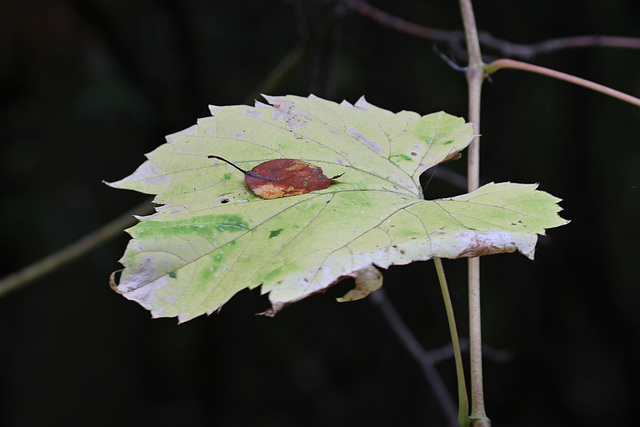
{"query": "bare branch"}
(500, 46)
(424, 358)
(81, 247)
(510, 63)
(402, 25)
(528, 51)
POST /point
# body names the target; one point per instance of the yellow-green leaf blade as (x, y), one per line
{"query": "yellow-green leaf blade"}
(212, 237)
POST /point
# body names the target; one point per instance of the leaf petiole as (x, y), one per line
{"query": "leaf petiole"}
(247, 173)
(463, 400)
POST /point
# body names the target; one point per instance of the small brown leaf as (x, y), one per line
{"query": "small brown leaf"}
(283, 178)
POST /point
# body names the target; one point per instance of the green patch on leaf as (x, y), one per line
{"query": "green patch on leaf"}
(275, 233)
(401, 157)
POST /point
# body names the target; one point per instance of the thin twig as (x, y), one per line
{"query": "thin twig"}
(72, 252)
(488, 352)
(402, 25)
(424, 358)
(450, 62)
(501, 46)
(529, 51)
(510, 63)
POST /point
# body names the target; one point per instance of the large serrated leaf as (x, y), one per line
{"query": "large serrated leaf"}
(212, 237)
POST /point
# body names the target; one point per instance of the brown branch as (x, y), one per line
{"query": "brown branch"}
(402, 25)
(528, 51)
(510, 63)
(475, 78)
(81, 247)
(501, 46)
(424, 358)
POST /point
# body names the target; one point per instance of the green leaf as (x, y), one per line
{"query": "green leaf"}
(212, 237)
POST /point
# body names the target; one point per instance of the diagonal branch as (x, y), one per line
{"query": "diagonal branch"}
(70, 253)
(510, 63)
(402, 25)
(425, 359)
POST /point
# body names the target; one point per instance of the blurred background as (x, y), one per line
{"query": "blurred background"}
(88, 86)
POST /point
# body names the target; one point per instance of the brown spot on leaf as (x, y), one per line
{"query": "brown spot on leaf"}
(479, 244)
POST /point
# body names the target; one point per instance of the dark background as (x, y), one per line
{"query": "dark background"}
(88, 87)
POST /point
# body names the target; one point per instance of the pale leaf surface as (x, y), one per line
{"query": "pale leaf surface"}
(212, 237)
